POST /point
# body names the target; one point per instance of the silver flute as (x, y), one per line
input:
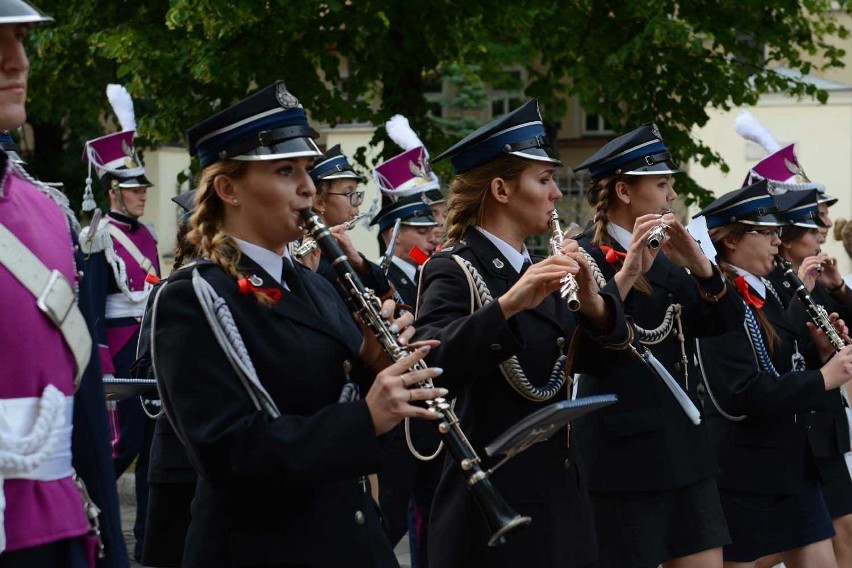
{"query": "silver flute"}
(569, 288)
(308, 247)
(657, 234)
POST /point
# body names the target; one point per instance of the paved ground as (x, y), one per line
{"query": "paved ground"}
(128, 514)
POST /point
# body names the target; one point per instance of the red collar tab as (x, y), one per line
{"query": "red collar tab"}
(612, 255)
(246, 287)
(745, 293)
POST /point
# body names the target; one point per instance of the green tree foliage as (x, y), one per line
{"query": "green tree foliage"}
(362, 61)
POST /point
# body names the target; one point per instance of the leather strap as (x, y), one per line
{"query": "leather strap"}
(143, 261)
(54, 295)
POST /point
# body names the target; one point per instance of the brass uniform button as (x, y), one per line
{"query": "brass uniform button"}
(560, 343)
(360, 519)
(496, 347)
(568, 463)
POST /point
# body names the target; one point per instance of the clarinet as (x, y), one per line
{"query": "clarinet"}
(501, 518)
(569, 288)
(816, 312)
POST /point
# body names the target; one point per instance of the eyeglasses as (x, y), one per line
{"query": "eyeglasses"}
(771, 233)
(356, 198)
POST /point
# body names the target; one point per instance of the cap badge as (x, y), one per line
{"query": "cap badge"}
(285, 97)
(498, 263)
(129, 161)
(255, 280)
(656, 131)
(419, 170)
(796, 170)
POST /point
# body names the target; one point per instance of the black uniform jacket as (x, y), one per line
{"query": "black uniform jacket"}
(168, 460)
(406, 286)
(767, 451)
(546, 482)
(373, 279)
(282, 491)
(646, 442)
(828, 433)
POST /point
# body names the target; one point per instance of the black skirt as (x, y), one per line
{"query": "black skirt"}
(167, 523)
(836, 485)
(644, 529)
(767, 524)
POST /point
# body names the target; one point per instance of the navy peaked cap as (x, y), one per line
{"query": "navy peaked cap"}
(186, 200)
(800, 208)
(334, 165)
(412, 210)
(268, 125)
(640, 152)
(519, 133)
(752, 205)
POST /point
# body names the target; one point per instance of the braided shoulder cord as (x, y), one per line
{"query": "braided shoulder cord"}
(798, 360)
(771, 288)
(511, 368)
(223, 326)
(646, 336)
(757, 343)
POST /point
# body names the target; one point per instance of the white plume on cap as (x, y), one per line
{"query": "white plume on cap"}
(122, 104)
(400, 132)
(747, 126)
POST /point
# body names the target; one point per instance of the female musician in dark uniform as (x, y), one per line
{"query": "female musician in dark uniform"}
(281, 449)
(337, 201)
(500, 197)
(760, 397)
(651, 464)
(828, 431)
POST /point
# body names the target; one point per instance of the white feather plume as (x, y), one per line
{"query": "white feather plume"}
(122, 104)
(400, 132)
(747, 126)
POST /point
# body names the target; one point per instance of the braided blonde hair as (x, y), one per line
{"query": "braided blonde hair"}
(599, 195)
(469, 190)
(206, 231)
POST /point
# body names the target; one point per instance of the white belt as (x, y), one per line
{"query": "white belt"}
(35, 441)
(143, 261)
(120, 306)
(53, 293)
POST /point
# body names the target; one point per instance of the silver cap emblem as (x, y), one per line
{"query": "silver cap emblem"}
(285, 97)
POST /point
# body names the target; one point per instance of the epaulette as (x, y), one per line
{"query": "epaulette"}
(185, 271)
(99, 241)
(451, 248)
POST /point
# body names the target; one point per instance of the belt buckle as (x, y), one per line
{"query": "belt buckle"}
(57, 298)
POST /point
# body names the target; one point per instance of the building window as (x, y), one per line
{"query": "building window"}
(506, 92)
(596, 125)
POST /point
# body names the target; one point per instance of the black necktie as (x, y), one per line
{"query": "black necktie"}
(525, 266)
(290, 274)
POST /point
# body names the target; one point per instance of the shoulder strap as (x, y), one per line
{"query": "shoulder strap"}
(55, 296)
(143, 261)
